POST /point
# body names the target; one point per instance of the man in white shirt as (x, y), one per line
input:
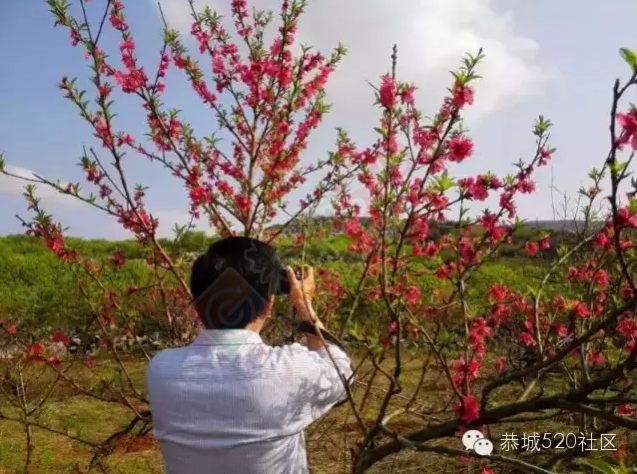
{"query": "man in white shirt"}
(229, 403)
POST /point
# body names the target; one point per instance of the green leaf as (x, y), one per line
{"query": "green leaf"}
(2, 163)
(444, 182)
(562, 250)
(341, 50)
(630, 57)
(381, 131)
(594, 174)
(355, 332)
(632, 205)
(617, 168)
(170, 36)
(541, 126)
(599, 465)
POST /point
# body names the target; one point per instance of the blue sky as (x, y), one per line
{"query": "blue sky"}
(543, 57)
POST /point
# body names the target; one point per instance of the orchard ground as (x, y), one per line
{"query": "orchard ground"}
(94, 420)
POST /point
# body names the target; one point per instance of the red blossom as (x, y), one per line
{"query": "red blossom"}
(116, 18)
(625, 218)
(412, 294)
(630, 346)
(596, 358)
(463, 371)
(626, 291)
(601, 279)
(479, 331)
(393, 327)
(468, 409)
(561, 329)
(352, 227)
(545, 156)
(622, 451)
(460, 148)
(387, 92)
(443, 271)
(35, 350)
(407, 95)
(75, 37)
(11, 329)
(527, 339)
(626, 327)
(462, 95)
(582, 310)
(627, 410)
(118, 260)
(54, 361)
(385, 341)
(601, 240)
(497, 294)
(478, 192)
(62, 337)
(628, 124)
(531, 248)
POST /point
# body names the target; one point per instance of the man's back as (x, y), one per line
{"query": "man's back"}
(229, 403)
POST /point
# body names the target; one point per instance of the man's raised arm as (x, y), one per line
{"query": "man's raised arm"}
(325, 377)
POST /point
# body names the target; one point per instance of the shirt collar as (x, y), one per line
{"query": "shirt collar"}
(224, 337)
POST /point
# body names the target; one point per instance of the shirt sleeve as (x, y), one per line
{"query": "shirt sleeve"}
(319, 379)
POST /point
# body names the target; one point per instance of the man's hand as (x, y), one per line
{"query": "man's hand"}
(301, 292)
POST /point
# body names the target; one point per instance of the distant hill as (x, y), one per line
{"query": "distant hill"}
(569, 226)
(563, 225)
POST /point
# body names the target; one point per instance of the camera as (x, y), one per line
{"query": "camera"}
(283, 284)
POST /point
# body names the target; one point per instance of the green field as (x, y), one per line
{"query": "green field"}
(41, 293)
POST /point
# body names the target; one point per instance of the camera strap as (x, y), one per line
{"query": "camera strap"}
(306, 327)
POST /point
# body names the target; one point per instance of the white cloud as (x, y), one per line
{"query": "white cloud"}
(432, 36)
(15, 187)
(104, 226)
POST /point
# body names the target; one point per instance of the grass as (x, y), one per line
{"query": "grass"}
(78, 416)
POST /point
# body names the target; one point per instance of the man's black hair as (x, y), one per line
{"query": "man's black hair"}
(234, 268)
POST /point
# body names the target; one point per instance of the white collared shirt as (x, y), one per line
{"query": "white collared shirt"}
(228, 403)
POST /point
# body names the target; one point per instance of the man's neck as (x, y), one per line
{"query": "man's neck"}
(255, 327)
